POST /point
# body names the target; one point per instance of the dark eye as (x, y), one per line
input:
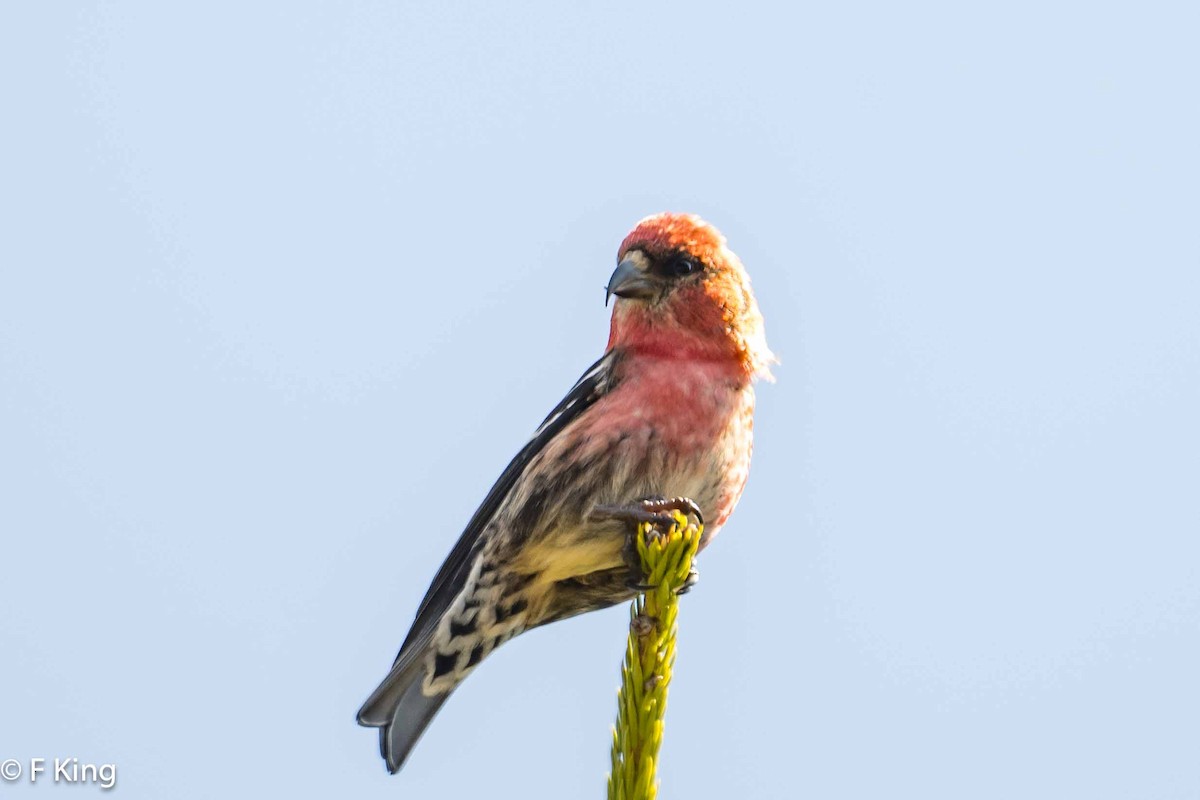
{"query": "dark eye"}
(676, 266)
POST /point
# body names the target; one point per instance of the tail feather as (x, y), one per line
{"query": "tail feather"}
(400, 710)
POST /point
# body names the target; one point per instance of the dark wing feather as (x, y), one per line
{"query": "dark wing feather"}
(450, 578)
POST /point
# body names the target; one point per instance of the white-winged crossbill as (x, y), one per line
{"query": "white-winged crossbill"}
(667, 412)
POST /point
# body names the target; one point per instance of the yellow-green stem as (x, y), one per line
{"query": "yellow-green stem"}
(649, 656)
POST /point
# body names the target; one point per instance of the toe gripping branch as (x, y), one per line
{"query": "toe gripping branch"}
(658, 511)
(664, 550)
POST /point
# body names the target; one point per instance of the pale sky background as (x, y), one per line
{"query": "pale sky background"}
(283, 286)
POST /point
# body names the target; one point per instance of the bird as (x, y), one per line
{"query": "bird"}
(661, 422)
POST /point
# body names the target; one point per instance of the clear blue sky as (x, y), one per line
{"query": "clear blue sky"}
(284, 285)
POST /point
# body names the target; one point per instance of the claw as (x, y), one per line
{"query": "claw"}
(685, 505)
(693, 577)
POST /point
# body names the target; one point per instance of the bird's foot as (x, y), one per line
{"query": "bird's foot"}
(659, 513)
(655, 510)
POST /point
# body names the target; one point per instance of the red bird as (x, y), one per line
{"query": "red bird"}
(667, 412)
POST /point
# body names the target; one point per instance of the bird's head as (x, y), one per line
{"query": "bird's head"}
(681, 290)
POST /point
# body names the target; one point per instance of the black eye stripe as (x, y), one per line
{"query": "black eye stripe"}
(678, 265)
